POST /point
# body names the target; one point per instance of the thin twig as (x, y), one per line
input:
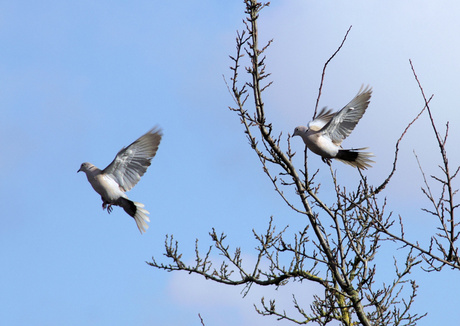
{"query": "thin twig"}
(324, 70)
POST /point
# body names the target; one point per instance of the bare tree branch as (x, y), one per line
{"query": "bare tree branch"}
(324, 70)
(340, 241)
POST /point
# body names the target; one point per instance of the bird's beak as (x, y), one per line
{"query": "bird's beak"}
(79, 170)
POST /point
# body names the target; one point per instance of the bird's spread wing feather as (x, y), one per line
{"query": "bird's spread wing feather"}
(323, 117)
(131, 162)
(344, 121)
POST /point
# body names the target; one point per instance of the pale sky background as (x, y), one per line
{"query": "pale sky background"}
(81, 79)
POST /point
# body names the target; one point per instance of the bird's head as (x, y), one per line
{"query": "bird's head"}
(85, 167)
(299, 131)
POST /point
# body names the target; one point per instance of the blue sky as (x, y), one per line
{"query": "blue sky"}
(80, 80)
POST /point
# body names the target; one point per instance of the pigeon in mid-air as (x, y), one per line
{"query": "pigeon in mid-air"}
(123, 173)
(324, 134)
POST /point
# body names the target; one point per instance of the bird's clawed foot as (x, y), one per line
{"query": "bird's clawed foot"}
(108, 206)
(326, 160)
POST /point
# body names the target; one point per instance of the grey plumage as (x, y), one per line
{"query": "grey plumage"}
(324, 134)
(123, 174)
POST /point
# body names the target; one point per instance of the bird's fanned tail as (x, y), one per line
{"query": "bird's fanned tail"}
(353, 157)
(141, 217)
(137, 211)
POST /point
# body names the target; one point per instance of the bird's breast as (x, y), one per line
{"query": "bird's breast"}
(321, 144)
(107, 188)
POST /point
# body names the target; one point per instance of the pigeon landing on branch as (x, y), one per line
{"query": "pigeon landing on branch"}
(124, 173)
(324, 134)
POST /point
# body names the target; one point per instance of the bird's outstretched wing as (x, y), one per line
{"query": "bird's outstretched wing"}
(323, 117)
(344, 121)
(131, 162)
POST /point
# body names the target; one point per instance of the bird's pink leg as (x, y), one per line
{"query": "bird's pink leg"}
(108, 206)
